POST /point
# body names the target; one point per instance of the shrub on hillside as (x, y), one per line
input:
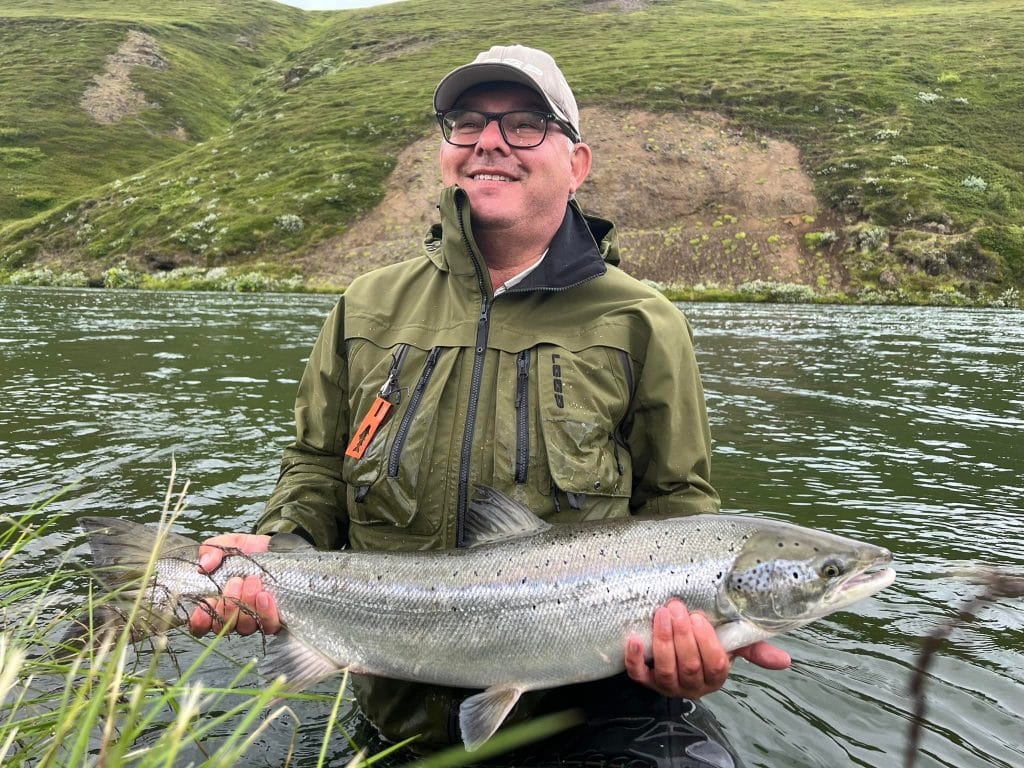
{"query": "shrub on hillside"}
(821, 239)
(783, 293)
(41, 276)
(121, 277)
(45, 276)
(974, 182)
(1007, 243)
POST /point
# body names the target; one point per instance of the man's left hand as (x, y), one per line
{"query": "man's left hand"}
(689, 661)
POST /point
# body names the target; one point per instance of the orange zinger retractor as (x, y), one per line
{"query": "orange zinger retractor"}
(368, 427)
(379, 408)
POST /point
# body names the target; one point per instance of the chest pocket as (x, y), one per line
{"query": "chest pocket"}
(386, 485)
(583, 399)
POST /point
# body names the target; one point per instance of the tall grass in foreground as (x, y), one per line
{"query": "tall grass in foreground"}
(108, 701)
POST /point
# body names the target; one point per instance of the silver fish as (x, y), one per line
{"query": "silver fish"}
(526, 606)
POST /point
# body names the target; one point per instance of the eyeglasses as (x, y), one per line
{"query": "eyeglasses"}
(523, 128)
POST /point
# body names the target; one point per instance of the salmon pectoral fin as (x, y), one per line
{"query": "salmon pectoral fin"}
(302, 665)
(739, 634)
(480, 715)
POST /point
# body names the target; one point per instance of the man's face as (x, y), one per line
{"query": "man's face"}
(524, 190)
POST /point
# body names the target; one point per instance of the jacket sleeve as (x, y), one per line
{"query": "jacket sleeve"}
(669, 439)
(310, 493)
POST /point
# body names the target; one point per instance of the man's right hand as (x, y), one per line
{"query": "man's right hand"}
(260, 609)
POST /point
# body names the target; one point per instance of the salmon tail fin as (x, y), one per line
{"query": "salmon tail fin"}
(125, 555)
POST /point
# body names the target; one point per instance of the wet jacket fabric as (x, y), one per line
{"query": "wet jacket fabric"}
(576, 392)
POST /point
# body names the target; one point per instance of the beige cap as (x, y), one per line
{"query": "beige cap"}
(517, 64)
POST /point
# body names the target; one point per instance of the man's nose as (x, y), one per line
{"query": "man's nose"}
(491, 138)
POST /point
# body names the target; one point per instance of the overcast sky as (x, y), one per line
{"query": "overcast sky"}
(333, 5)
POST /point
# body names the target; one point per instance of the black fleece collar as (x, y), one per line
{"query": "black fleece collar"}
(573, 257)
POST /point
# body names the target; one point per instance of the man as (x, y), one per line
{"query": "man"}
(515, 354)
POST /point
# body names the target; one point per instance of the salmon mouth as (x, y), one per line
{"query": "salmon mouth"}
(863, 584)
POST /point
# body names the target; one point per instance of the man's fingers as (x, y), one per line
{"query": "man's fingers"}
(765, 655)
(701, 665)
(715, 662)
(636, 663)
(210, 558)
(247, 622)
(225, 608)
(211, 551)
(689, 668)
(665, 674)
(201, 621)
(266, 607)
(678, 667)
(689, 660)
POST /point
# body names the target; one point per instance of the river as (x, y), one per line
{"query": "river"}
(902, 426)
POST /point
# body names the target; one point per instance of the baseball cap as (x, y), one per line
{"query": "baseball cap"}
(517, 64)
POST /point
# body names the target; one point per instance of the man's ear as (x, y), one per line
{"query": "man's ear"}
(579, 160)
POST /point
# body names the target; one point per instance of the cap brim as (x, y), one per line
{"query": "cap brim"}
(462, 79)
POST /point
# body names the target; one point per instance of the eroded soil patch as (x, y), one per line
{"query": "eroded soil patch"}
(113, 97)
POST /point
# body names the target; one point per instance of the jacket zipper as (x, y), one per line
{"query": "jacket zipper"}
(482, 332)
(410, 412)
(522, 416)
(390, 386)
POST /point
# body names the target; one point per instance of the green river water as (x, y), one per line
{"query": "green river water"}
(901, 426)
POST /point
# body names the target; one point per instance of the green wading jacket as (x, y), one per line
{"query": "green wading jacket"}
(576, 393)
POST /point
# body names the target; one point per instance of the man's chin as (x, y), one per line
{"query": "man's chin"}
(492, 209)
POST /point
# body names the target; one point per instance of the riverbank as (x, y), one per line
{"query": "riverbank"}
(242, 280)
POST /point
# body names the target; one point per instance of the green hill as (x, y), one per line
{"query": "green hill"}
(245, 135)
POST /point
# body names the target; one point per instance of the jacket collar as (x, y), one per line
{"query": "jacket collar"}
(579, 251)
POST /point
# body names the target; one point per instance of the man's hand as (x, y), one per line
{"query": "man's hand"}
(689, 661)
(243, 602)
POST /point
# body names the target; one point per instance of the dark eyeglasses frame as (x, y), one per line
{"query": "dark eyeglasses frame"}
(489, 117)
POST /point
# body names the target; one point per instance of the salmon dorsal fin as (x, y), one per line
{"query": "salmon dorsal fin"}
(492, 516)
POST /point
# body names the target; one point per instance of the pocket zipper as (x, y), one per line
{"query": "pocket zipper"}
(522, 416)
(417, 395)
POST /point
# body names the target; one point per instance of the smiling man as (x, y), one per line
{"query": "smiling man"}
(515, 354)
(518, 190)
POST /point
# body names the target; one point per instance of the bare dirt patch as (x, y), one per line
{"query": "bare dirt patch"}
(620, 6)
(383, 50)
(695, 200)
(113, 97)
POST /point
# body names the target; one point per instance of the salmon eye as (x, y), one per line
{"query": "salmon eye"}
(831, 569)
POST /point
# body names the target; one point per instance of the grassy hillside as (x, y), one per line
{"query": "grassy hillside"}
(908, 115)
(205, 56)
